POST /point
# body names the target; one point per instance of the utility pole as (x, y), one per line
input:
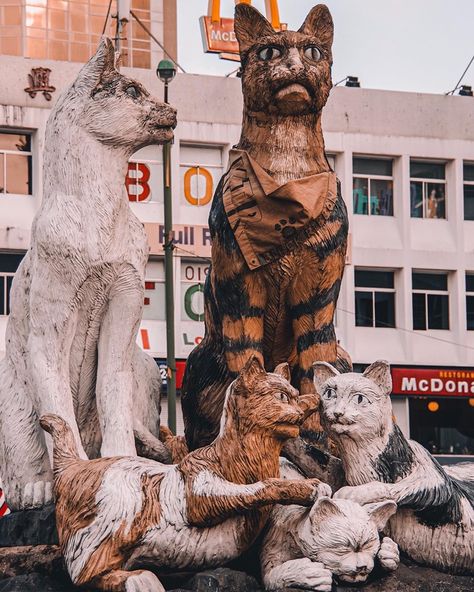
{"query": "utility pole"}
(166, 72)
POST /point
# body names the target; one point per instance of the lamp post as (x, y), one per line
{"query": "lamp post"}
(166, 71)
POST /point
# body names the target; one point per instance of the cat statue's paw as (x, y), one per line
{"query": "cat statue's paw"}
(299, 573)
(143, 581)
(364, 494)
(389, 555)
(37, 494)
(323, 489)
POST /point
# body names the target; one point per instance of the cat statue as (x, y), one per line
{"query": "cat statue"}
(305, 547)
(77, 297)
(278, 224)
(434, 523)
(117, 517)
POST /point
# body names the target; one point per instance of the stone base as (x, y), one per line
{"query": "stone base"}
(50, 577)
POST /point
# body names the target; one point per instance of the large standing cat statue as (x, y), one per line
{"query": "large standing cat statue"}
(434, 523)
(77, 297)
(278, 224)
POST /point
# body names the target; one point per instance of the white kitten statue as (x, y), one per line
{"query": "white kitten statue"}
(305, 547)
(434, 523)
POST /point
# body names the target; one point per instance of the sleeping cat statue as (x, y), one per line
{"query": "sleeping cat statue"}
(305, 547)
(434, 523)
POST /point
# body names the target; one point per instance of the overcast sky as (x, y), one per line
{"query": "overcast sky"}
(412, 45)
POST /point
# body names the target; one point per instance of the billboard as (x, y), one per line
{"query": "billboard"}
(218, 33)
(433, 382)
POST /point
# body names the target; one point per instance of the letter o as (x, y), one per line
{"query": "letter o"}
(188, 302)
(450, 386)
(188, 175)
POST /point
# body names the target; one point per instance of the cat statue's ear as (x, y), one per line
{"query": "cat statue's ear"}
(252, 369)
(323, 508)
(100, 64)
(250, 26)
(380, 512)
(319, 24)
(379, 372)
(322, 372)
(284, 371)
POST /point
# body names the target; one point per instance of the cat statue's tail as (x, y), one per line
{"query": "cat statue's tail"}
(64, 446)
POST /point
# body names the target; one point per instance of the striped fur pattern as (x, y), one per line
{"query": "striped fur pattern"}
(130, 515)
(284, 310)
(434, 523)
(305, 547)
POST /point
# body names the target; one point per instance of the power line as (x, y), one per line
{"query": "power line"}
(462, 76)
(150, 34)
(107, 18)
(411, 331)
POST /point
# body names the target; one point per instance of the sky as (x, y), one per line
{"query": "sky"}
(408, 45)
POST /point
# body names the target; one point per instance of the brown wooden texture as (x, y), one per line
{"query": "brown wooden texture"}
(276, 304)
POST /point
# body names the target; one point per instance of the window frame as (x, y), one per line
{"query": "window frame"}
(27, 154)
(368, 178)
(424, 189)
(426, 293)
(373, 291)
(5, 292)
(464, 183)
(468, 293)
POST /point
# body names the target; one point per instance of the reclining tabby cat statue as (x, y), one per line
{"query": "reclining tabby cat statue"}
(434, 523)
(131, 514)
(278, 224)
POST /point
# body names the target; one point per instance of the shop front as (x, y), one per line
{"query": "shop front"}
(439, 408)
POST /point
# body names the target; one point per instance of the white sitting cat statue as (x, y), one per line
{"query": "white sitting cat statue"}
(434, 523)
(305, 547)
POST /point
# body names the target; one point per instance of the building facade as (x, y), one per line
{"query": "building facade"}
(406, 165)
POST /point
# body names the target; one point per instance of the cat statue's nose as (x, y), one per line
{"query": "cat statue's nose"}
(294, 61)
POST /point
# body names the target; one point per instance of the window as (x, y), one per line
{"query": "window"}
(427, 189)
(154, 303)
(430, 301)
(200, 171)
(193, 276)
(447, 427)
(15, 163)
(374, 298)
(468, 191)
(8, 265)
(71, 30)
(144, 180)
(470, 301)
(372, 187)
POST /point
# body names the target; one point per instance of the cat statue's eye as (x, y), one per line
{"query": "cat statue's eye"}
(132, 91)
(282, 397)
(329, 394)
(269, 53)
(313, 53)
(360, 399)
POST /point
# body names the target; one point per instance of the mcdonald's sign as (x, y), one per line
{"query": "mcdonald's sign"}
(218, 33)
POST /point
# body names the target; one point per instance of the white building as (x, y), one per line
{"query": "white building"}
(406, 165)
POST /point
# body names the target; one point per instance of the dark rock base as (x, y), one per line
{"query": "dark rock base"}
(408, 578)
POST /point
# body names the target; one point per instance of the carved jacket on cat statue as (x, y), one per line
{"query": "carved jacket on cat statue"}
(130, 514)
(434, 523)
(278, 224)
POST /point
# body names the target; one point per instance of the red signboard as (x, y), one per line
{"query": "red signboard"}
(433, 382)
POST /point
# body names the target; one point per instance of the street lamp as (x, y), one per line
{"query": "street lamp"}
(166, 71)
